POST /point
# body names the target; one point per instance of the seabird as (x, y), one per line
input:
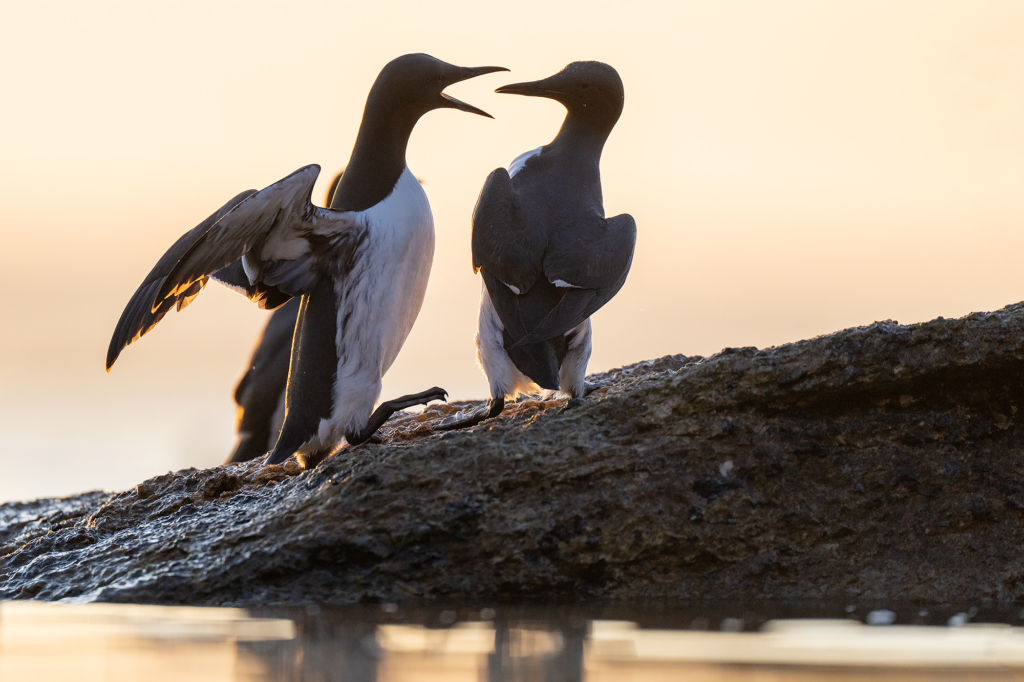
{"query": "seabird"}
(360, 267)
(548, 257)
(260, 392)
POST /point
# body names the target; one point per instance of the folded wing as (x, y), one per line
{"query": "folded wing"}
(590, 261)
(504, 243)
(545, 280)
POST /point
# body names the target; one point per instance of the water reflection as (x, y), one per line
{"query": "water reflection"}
(521, 654)
(116, 642)
(151, 643)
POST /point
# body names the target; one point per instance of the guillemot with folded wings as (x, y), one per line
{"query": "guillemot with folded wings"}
(548, 257)
(360, 266)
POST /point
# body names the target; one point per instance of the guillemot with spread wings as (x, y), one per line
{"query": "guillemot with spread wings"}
(548, 257)
(360, 266)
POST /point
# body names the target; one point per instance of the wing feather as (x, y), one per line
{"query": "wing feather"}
(270, 220)
(140, 315)
(503, 242)
(554, 276)
(594, 258)
(275, 231)
(592, 253)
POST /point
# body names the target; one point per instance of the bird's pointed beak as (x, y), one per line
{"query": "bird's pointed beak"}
(542, 88)
(453, 103)
(465, 73)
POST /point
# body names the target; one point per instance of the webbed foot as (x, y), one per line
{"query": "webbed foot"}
(492, 409)
(421, 398)
(386, 409)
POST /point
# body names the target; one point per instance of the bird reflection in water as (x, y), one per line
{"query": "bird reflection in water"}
(522, 655)
(115, 643)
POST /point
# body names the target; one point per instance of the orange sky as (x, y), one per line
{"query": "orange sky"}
(793, 167)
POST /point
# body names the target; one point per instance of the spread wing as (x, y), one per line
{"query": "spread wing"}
(269, 227)
(276, 237)
(140, 315)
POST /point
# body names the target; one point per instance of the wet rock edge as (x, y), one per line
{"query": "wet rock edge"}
(879, 462)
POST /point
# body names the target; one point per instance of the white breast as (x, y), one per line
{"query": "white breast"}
(520, 161)
(381, 297)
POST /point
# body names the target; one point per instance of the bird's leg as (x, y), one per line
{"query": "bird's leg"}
(577, 400)
(490, 411)
(386, 409)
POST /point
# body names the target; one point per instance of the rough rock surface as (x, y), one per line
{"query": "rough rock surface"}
(881, 462)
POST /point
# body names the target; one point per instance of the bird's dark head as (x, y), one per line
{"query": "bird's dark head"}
(413, 84)
(590, 91)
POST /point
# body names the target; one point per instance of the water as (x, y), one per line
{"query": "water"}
(391, 643)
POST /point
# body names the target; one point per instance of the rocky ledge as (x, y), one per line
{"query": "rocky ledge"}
(881, 462)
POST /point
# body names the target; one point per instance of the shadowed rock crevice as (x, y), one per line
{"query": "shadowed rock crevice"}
(881, 462)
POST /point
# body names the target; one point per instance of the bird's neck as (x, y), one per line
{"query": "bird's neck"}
(377, 161)
(577, 152)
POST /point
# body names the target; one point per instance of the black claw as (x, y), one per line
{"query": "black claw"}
(572, 405)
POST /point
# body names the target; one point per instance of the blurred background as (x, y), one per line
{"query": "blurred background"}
(794, 168)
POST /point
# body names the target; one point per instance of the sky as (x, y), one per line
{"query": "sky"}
(794, 168)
